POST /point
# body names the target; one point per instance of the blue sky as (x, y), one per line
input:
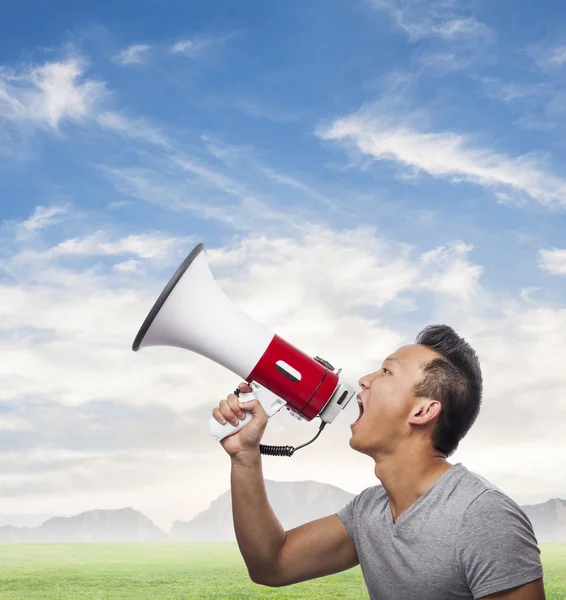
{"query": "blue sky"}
(356, 169)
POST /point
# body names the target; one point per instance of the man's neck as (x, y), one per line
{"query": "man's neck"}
(407, 477)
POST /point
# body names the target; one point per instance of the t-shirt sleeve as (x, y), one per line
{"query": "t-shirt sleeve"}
(349, 514)
(497, 547)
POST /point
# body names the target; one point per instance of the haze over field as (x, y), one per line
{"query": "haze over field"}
(357, 170)
(294, 502)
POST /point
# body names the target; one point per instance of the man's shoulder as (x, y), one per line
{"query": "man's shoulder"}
(371, 496)
(482, 496)
(477, 485)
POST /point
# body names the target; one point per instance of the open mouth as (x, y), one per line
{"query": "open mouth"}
(361, 407)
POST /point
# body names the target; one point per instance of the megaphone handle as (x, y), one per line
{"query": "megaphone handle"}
(268, 400)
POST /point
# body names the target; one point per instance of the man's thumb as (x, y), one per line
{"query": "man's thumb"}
(248, 405)
(254, 406)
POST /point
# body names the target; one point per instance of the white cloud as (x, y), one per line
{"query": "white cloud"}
(127, 265)
(47, 95)
(197, 46)
(548, 55)
(155, 247)
(45, 216)
(553, 260)
(557, 56)
(11, 423)
(182, 182)
(424, 19)
(147, 246)
(174, 179)
(511, 91)
(135, 129)
(384, 135)
(122, 424)
(455, 278)
(136, 54)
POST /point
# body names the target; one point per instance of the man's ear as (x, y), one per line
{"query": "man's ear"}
(424, 411)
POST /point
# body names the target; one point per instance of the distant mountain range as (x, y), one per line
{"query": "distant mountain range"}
(122, 525)
(294, 503)
(548, 519)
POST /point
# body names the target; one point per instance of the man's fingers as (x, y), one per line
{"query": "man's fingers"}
(229, 410)
(218, 415)
(257, 410)
(228, 413)
(234, 404)
(245, 387)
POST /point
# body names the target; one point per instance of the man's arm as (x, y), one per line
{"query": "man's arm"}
(529, 591)
(273, 556)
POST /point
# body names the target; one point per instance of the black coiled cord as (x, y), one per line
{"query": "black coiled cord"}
(287, 450)
(276, 450)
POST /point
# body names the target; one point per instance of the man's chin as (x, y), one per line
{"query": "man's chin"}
(355, 443)
(359, 443)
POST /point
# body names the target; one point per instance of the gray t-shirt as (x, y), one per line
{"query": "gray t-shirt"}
(463, 538)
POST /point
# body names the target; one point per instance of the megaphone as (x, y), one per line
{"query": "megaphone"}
(194, 313)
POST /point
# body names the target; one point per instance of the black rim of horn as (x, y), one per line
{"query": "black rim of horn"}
(165, 294)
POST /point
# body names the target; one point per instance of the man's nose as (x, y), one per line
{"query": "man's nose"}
(364, 382)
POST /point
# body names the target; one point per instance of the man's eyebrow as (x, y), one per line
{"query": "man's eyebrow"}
(392, 358)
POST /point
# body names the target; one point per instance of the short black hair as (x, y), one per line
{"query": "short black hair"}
(455, 380)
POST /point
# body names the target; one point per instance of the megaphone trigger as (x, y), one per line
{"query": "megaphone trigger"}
(220, 431)
(270, 403)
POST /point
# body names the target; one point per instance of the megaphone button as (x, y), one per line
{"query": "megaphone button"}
(324, 363)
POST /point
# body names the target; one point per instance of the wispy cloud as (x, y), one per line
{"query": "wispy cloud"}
(190, 182)
(135, 54)
(152, 246)
(437, 18)
(134, 128)
(557, 56)
(155, 247)
(195, 47)
(47, 95)
(45, 216)
(384, 135)
(548, 54)
(553, 260)
(512, 91)
(455, 277)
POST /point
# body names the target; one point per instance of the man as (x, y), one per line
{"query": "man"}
(433, 530)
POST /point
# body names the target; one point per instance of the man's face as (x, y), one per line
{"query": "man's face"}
(387, 400)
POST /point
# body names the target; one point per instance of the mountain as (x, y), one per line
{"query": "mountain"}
(122, 525)
(548, 519)
(294, 503)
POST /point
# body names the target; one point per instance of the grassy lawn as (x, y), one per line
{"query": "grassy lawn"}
(177, 571)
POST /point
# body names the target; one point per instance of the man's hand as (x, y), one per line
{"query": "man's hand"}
(246, 441)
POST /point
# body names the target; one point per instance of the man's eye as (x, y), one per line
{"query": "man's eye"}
(385, 370)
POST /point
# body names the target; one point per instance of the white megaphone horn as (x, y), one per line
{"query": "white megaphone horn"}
(194, 313)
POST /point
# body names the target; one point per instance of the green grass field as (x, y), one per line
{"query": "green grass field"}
(177, 571)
